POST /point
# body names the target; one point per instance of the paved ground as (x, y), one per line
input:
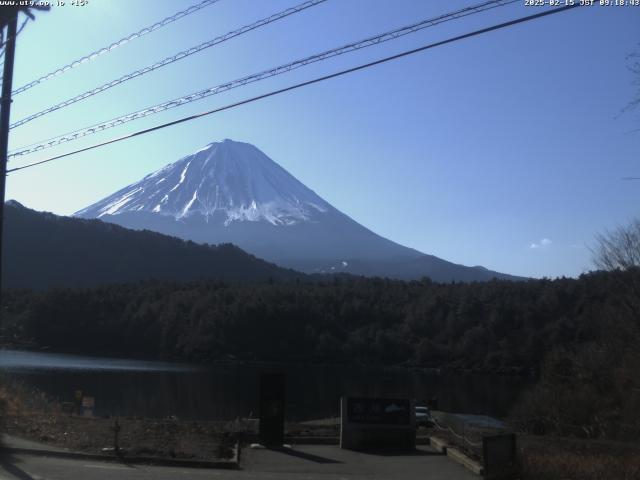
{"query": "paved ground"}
(309, 462)
(329, 462)
(23, 467)
(17, 442)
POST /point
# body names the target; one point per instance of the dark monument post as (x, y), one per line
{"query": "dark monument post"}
(272, 396)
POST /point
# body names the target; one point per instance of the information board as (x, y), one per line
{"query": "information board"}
(379, 411)
(377, 423)
(499, 455)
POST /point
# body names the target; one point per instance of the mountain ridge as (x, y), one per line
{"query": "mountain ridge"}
(43, 250)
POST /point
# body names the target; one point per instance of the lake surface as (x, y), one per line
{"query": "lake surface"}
(224, 392)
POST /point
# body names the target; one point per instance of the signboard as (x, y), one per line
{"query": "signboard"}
(272, 404)
(499, 455)
(380, 411)
(87, 406)
(377, 423)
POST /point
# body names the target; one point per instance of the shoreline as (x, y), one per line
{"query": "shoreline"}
(137, 437)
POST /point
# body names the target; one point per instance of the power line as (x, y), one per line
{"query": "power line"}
(304, 84)
(93, 55)
(367, 42)
(171, 59)
(11, 8)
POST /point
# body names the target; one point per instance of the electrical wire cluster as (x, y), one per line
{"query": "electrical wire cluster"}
(169, 60)
(353, 46)
(255, 77)
(118, 43)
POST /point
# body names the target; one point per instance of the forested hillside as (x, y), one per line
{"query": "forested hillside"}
(578, 337)
(494, 326)
(42, 250)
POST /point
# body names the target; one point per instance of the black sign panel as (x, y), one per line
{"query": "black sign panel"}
(499, 454)
(272, 396)
(381, 411)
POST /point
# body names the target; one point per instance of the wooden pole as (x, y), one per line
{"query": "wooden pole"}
(5, 113)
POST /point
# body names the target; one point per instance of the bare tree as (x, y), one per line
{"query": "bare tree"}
(618, 249)
(633, 64)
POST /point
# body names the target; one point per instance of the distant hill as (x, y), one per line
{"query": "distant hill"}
(232, 192)
(44, 250)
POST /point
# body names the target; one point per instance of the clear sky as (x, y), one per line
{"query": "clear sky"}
(504, 150)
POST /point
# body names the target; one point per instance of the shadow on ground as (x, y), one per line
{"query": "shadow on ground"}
(304, 455)
(8, 465)
(399, 453)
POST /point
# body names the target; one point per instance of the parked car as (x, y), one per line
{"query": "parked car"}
(423, 417)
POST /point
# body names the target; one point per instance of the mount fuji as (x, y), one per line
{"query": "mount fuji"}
(231, 192)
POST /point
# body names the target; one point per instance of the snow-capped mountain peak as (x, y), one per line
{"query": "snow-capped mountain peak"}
(229, 181)
(231, 192)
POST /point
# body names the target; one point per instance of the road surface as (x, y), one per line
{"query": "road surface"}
(308, 462)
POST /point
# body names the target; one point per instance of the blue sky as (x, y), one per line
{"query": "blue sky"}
(504, 150)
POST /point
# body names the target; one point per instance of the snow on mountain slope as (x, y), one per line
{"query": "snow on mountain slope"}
(231, 192)
(230, 178)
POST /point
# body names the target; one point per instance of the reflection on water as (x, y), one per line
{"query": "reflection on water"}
(21, 360)
(159, 389)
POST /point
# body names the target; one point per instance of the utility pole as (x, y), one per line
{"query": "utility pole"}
(5, 111)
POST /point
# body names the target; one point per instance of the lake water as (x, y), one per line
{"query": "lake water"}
(224, 392)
